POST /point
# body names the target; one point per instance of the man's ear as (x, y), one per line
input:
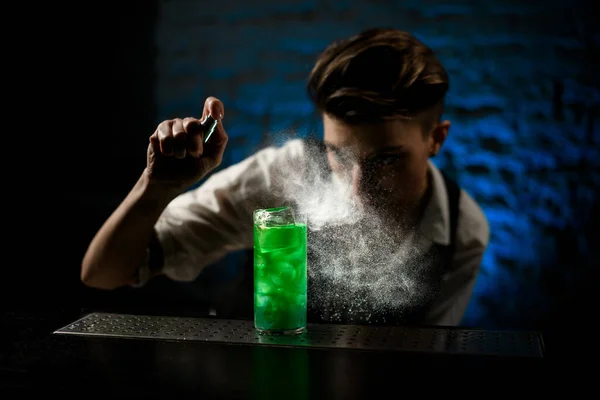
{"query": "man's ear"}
(437, 137)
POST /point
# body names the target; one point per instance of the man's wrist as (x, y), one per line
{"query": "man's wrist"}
(152, 194)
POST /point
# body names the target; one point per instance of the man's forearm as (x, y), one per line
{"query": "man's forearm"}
(119, 247)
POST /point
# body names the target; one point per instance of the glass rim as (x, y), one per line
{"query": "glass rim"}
(273, 212)
(274, 209)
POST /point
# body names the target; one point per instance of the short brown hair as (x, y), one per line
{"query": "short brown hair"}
(376, 75)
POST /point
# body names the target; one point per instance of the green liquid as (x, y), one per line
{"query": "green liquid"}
(280, 278)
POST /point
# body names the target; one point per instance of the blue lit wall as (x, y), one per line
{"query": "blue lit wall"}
(524, 104)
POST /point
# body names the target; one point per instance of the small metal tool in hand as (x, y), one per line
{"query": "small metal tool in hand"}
(209, 124)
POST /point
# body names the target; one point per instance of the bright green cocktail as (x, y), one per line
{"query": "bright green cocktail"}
(279, 272)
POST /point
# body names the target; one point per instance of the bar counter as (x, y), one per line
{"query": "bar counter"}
(131, 355)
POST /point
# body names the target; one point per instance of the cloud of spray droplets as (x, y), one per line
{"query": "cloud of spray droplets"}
(357, 258)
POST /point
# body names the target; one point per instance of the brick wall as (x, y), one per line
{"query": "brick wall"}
(524, 104)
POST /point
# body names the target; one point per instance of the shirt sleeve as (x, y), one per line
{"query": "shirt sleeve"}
(471, 242)
(201, 226)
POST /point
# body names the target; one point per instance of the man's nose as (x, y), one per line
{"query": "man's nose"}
(361, 180)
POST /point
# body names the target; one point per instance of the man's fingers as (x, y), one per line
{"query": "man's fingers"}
(179, 138)
(216, 145)
(194, 135)
(182, 137)
(165, 137)
(213, 107)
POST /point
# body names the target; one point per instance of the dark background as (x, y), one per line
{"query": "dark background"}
(524, 103)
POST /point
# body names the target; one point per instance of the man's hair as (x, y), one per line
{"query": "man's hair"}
(377, 75)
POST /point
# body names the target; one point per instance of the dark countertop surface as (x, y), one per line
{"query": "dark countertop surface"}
(34, 360)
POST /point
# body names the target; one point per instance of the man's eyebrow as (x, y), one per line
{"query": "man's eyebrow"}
(386, 152)
(388, 149)
(376, 153)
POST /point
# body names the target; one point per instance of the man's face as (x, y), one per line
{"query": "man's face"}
(386, 162)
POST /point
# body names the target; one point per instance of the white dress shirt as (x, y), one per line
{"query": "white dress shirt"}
(201, 226)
